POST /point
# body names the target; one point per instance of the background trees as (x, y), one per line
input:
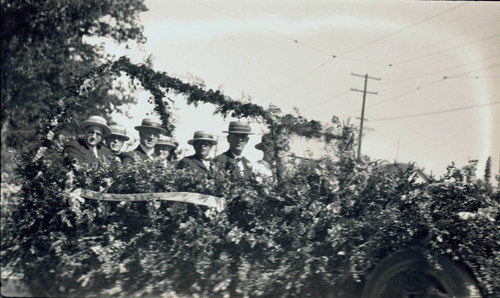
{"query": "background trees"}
(45, 45)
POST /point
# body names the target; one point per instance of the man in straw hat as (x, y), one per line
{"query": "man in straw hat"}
(164, 150)
(232, 159)
(200, 162)
(88, 148)
(115, 140)
(149, 134)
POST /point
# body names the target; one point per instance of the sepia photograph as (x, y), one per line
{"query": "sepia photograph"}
(217, 148)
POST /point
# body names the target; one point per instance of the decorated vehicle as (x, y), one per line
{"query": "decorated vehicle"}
(339, 227)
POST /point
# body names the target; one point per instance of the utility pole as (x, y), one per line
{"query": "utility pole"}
(216, 145)
(363, 107)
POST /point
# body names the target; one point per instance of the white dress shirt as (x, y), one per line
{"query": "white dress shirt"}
(149, 151)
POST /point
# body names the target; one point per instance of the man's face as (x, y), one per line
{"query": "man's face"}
(93, 135)
(202, 148)
(149, 137)
(237, 142)
(162, 151)
(115, 143)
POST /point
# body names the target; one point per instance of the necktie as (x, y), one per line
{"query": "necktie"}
(239, 162)
(206, 162)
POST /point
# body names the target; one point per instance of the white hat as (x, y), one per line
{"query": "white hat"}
(97, 121)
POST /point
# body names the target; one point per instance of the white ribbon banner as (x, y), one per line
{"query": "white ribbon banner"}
(185, 197)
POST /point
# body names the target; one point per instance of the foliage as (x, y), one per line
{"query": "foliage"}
(487, 170)
(321, 230)
(44, 45)
(159, 84)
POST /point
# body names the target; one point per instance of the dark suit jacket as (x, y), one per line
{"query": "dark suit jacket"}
(135, 155)
(194, 163)
(79, 151)
(228, 162)
(124, 157)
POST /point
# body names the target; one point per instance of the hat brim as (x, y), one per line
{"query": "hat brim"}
(167, 145)
(161, 130)
(119, 135)
(240, 132)
(105, 128)
(191, 142)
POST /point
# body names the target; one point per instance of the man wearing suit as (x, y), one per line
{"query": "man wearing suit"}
(115, 140)
(149, 134)
(232, 160)
(88, 149)
(200, 162)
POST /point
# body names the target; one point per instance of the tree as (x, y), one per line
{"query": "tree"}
(44, 46)
(487, 171)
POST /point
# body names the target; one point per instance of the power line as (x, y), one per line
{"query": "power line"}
(443, 70)
(422, 87)
(327, 100)
(401, 80)
(433, 44)
(403, 29)
(484, 77)
(294, 40)
(349, 51)
(452, 137)
(445, 50)
(467, 72)
(301, 77)
(406, 93)
(440, 71)
(385, 65)
(429, 84)
(285, 37)
(331, 54)
(312, 92)
(382, 64)
(435, 112)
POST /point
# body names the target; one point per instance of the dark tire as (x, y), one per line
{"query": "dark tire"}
(408, 274)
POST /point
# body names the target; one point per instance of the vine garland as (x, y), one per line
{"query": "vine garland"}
(160, 83)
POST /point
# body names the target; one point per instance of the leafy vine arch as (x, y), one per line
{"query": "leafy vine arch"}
(160, 83)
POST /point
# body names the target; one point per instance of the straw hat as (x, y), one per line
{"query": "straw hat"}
(166, 141)
(97, 121)
(201, 135)
(151, 123)
(239, 127)
(119, 131)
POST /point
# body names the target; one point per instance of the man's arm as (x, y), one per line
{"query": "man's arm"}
(221, 159)
(183, 164)
(72, 153)
(128, 158)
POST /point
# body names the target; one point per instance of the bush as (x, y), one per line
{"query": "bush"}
(318, 232)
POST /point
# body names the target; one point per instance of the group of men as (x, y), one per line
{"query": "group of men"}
(101, 142)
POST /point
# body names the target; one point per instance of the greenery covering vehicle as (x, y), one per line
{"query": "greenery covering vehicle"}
(322, 229)
(319, 232)
(338, 227)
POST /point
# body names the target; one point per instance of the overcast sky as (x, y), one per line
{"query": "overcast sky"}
(439, 65)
